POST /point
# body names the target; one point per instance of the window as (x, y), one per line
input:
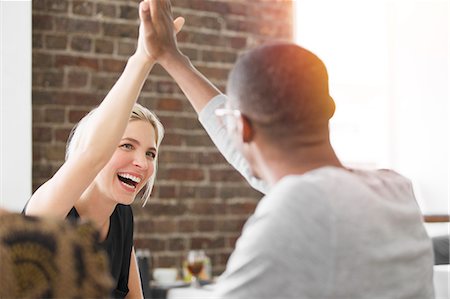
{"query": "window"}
(15, 104)
(388, 63)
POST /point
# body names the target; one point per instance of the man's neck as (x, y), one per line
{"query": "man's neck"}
(275, 164)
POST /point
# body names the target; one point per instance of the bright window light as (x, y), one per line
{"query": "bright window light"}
(388, 64)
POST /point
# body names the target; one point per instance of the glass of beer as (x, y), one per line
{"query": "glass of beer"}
(195, 260)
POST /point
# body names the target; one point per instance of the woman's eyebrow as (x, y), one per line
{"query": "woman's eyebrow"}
(131, 139)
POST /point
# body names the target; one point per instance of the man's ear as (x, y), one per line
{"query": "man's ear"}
(245, 129)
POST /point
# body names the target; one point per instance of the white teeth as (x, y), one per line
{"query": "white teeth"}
(130, 177)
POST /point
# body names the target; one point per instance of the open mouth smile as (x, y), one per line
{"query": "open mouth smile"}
(129, 180)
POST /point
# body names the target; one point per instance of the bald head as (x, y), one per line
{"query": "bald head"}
(283, 89)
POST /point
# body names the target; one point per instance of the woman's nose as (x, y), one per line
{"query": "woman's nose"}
(140, 160)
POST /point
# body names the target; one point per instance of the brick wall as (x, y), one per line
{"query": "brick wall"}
(80, 48)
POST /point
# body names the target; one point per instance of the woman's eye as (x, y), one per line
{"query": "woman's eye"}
(151, 155)
(127, 146)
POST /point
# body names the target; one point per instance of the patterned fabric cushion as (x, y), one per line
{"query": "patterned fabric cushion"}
(42, 258)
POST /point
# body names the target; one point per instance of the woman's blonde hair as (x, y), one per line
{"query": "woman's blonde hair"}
(139, 112)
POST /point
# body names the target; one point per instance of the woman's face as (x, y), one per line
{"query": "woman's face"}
(131, 165)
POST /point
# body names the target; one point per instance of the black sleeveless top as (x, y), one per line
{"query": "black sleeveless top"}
(118, 245)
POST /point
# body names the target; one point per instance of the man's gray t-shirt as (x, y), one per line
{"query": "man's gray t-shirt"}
(333, 233)
(330, 233)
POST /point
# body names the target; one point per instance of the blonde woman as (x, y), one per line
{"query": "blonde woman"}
(111, 156)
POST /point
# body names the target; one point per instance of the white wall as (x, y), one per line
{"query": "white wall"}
(388, 63)
(15, 104)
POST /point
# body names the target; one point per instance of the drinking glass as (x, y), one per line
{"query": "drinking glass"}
(195, 260)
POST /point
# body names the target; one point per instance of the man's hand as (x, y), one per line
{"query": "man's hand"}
(157, 31)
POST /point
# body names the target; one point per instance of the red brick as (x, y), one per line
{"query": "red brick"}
(198, 192)
(42, 134)
(202, 21)
(54, 115)
(237, 42)
(79, 26)
(37, 41)
(219, 56)
(166, 191)
(153, 244)
(42, 22)
(165, 226)
(75, 115)
(102, 83)
(47, 79)
(41, 60)
(190, 52)
(81, 44)
(113, 65)
(38, 6)
(143, 225)
(57, 42)
(103, 46)
(105, 10)
(214, 72)
(167, 104)
(167, 87)
(225, 175)
(172, 139)
(178, 244)
(177, 157)
(120, 30)
(37, 153)
(181, 122)
(55, 152)
(167, 261)
(215, 158)
(81, 62)
(185, 174)
(230, 225)
(160, 209)
(128, 12)
(209, 243)
(127, 48)
(235, 192)
(56, 5)
(77, 78)
(42, 171)
(187, 226)
(61, 135)
(38, 115)
(82, 8)
(206, 225)
(208, 208)
(241, 208)
(198, 140)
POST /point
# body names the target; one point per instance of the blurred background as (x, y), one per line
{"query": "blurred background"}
(388, 65)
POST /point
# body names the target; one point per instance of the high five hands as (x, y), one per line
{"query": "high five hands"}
(157, 30)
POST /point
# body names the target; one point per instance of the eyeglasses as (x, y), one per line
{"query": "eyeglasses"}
(228, 117)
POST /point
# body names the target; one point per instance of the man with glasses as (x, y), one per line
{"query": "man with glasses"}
(322, 230)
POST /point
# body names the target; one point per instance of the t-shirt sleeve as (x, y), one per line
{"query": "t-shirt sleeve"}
(219, 136)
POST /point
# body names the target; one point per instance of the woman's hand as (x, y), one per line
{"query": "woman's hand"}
(157, 29)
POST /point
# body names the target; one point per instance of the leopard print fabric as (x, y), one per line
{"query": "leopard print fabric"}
(42, 258)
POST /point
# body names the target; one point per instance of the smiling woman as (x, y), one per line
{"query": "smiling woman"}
(111, 156)
(146, 126)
